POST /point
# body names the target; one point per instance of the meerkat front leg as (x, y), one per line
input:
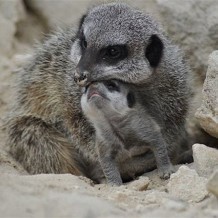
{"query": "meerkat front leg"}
(159, 147)
(108, 163)
(164, 165)
(149, 132)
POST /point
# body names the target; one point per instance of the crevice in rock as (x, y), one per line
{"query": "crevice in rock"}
(29, 29)
(34, 13)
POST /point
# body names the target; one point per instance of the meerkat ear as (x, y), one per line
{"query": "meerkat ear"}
(82, 20)
(130, 99)
(154, 50)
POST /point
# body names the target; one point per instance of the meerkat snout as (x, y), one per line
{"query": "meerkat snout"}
(101, 89)
(94, 90)
(110, 97)
(80, 77)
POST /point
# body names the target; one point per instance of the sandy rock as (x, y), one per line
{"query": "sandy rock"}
(212, 184)
(155, 197)
(186, 185)
(9, 165)
(207, 114)
(63, 12)
(174, 204)
(140, 184)
(7, 32)
(50, 196)
(130, 199)
(194, 26)
(11, 12)
(205, 159)
(67, 12)
(7, 96)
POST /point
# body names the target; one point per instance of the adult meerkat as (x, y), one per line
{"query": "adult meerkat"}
(47, 131)
(123, 129)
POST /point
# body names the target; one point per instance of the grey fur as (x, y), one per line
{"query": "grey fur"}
(47, 131)
(122, 131)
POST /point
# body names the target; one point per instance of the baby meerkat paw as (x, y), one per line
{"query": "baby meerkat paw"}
(115, 182)
(166, 171)
(103, 181)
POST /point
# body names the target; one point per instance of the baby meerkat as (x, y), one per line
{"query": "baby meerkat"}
(121, 124)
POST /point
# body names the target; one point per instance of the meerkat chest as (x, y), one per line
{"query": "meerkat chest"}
(132, 151)
(132, 145)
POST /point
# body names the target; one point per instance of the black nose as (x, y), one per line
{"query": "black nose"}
(81, 78)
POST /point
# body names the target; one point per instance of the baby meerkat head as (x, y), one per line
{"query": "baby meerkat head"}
(108, 98)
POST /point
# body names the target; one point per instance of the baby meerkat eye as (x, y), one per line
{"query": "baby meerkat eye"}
(85, 89)
(130, 99)
(111, 86)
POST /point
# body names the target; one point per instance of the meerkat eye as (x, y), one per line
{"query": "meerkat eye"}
(115, 52)
(111, 86)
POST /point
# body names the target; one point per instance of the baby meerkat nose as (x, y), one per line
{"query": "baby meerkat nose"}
(91, 85)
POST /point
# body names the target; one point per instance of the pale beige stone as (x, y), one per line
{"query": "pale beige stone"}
(212, 184)
(186, 185)
(205, 159)
(140, 184)
(207, 114)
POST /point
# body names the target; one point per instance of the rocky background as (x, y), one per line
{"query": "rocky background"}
(191, 192)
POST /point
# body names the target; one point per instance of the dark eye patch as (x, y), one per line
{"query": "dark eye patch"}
(154, 51)
(111, 86)
(113, 53)
(131, 99)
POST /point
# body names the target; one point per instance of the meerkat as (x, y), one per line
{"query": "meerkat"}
(123, 128)
(47, 131)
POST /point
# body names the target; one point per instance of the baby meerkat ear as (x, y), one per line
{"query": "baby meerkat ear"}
(154, 51)
(131, 99)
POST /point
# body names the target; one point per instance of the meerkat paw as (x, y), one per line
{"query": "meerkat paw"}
(117, 182)
(103, 181)
(165, 172)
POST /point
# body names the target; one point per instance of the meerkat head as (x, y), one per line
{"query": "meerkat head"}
(108, 98)
(115, 41)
